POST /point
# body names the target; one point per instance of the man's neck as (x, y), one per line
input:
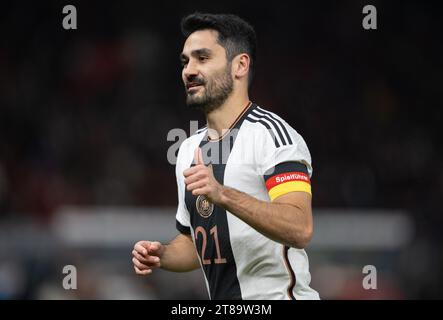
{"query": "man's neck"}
(221, 119)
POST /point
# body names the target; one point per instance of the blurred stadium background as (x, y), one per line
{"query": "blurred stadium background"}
(84, 116)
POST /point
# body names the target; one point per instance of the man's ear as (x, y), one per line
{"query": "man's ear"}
(241, 65)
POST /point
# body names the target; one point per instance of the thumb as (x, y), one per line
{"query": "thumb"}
(198, 156)
(155, 247)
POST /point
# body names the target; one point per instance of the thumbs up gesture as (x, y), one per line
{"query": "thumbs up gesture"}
(200, 179)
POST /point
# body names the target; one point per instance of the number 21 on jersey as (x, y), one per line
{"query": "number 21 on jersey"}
(214, 234)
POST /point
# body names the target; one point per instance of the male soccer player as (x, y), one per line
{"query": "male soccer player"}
(244, 194)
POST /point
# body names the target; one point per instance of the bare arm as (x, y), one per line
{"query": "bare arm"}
(287, 220)
(178, 256)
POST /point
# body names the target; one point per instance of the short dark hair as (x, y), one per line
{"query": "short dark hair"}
(234, 34)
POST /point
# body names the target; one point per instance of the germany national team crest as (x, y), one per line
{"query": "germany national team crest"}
(204, 206)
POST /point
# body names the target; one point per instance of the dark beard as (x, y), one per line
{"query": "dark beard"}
(215, 94)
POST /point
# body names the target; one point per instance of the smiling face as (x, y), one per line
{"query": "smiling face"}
(206, 73)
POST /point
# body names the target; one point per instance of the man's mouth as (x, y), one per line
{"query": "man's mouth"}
(192, 86)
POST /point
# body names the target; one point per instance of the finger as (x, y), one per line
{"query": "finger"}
(194, 169)
(153, 262)
(140, 258)
(142, 272)
(140, 249)
(138, 271)
(196, 176)
(199, 191)
(140, 265)
(190, 171)
(197, 185)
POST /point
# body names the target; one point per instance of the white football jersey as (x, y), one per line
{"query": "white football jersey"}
(263, 156)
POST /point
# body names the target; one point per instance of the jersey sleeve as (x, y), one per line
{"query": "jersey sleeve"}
(286, 167)
(182, 216)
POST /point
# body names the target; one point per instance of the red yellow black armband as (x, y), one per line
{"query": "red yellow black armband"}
(283, 181)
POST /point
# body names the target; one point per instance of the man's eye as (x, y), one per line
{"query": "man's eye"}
(202, 58)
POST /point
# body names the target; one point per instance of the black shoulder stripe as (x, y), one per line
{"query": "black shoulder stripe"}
(267, 126)
(279, 121)
(274, 125)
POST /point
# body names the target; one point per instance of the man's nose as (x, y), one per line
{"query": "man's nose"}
(190, 70)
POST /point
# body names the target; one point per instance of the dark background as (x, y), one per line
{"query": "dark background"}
(84, 114)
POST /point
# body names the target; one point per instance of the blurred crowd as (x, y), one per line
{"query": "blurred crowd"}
(84, 114)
